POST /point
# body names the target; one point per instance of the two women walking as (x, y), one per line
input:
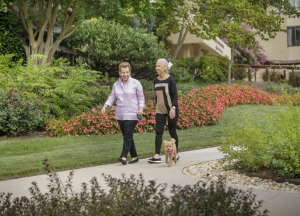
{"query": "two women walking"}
(131, 102)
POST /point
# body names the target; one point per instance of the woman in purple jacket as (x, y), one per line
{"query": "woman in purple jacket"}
(130, 102)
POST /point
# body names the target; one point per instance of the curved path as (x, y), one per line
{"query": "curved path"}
(277, 202)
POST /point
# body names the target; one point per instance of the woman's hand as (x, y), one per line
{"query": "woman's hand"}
(172, 113)
(104, 109)
(140, 111)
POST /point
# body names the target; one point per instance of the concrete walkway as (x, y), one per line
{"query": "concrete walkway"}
(277, 202)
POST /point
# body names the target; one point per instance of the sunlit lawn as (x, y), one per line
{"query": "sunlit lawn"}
(19, 158)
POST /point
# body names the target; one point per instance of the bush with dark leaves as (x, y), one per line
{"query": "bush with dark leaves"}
(131, 196)
(19, 114)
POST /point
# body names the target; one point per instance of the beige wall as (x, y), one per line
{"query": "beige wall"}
(195, 47)
(277, 48)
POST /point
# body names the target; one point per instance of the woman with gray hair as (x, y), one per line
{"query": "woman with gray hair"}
(166, 106)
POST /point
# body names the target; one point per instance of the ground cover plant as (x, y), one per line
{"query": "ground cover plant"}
(203, 106)
(131, 196)
(21, 158)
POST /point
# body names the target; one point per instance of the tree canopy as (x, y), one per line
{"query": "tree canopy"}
(39, 17)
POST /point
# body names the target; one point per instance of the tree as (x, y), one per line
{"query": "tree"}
(184, 18)
(41, 16)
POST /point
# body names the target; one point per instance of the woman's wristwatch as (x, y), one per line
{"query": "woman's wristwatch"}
(174, 107)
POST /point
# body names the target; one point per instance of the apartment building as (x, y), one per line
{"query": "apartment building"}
(195, 47)
(285, 47)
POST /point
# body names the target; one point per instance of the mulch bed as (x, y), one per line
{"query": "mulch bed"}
(269, 175)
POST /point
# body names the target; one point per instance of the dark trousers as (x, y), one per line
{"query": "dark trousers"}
(127, 128)
(160, 128)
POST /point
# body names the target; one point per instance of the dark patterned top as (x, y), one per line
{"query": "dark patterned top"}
(166, 95)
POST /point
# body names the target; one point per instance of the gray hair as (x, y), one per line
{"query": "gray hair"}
(165, 63)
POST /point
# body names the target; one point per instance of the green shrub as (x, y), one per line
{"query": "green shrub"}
(66, 90)
(110, 43)
(131, 196)
(240, 73)
(147, 85)
(183, 69)
(280, 89)
(12, 36)
(211, 69)
(275, 77)
(108, 81)
(273, 144)
(18, 115)
(265, 76)
(294, 80)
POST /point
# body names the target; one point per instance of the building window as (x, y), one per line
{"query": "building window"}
(295, 3)
(293, 36)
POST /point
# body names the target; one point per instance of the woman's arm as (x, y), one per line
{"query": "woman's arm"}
(140, 97)
(155, 92)
(110, 100)
(174, 93)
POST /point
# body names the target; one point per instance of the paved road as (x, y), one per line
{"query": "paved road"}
(278, 203)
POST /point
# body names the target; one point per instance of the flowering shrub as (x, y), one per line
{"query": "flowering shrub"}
(203, 106)
(253, 54)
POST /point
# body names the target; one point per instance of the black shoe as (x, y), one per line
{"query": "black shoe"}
(177, 158)
(134, 161)
(153, 160)
(124, 162)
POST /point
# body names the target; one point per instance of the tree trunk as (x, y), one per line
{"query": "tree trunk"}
(230, 64)
(181, 39)
(50, 10)
(27, 51)
(150, 28)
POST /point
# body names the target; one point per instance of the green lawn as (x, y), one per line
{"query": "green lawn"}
(20, 158)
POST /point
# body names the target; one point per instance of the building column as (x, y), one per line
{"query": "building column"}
(186, 50)
(196, 52)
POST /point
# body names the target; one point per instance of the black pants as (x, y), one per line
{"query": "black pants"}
(160, 128)
(127, 128)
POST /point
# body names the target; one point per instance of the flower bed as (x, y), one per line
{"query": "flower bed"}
(203, 106)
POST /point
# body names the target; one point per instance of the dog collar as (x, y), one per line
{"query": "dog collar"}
(172, 151)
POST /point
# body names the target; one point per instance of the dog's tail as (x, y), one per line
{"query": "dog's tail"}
(173, 140)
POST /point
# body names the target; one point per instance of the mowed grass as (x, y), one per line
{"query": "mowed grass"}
(20, 158)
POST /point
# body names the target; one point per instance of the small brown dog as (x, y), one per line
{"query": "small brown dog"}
(170, 149)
